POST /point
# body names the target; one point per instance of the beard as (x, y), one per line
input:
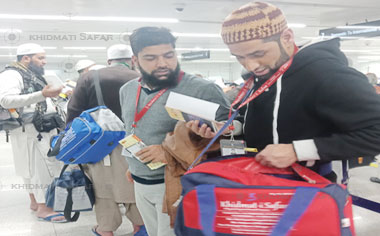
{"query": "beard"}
(284, 57)
(36, 69)
(156, 83)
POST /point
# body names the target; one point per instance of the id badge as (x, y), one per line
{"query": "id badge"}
(132, 144)
(232, 147)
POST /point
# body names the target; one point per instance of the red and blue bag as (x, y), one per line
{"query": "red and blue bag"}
(238, 196)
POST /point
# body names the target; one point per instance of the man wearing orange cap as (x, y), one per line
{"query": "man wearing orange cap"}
(309, 106)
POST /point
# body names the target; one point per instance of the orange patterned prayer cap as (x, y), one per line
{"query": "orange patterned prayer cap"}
(255, 20)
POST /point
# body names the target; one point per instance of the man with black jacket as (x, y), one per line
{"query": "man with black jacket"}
(108, 176)
(317, 109)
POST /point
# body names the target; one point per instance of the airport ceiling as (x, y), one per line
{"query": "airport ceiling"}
(75, 29)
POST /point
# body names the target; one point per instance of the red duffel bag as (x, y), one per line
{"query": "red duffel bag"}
(238, 196)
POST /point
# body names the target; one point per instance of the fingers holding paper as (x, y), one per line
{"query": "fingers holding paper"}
(203, 130)
(152, 153)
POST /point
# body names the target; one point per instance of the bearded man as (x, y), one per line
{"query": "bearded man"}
(155, 55)
(314, 108)
(22, 88)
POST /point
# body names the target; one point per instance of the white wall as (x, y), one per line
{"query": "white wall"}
(373, 67)
(228, 71)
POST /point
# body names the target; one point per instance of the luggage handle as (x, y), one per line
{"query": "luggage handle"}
(65, 167)
(69, 201)
(237, 174)
(309, 175)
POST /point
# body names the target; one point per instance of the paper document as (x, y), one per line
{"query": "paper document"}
(52, 79)
(186, 108)
(134, 144)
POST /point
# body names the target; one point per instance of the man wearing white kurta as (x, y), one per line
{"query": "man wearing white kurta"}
(30, 154)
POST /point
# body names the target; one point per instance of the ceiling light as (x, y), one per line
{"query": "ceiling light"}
(369, 39)
(358, 27)
(208, 61)
(87, 18)
(15, 47)
(330, 37)
(60, 56)
(203, 49)
(296, 25)
(10, 30)
(369, 57)
(317, 37)
(52, 56)
(200, 35)
(195, 35)
(355, 50)
(109, 33)
(84, 48)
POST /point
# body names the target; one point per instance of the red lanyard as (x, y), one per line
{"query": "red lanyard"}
(247, 86)
(139, 115)
(265, 86)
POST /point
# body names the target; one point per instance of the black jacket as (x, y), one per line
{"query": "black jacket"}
(321, 99)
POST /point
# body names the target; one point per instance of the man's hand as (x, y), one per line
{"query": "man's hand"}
(152, 153)
(204, 131)
(51, 91)
(277, 155)
(128, 175)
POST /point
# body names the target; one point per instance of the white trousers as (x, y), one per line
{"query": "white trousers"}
(149, 200)
(31, 161)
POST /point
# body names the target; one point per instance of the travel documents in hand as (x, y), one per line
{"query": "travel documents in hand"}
(134, 144)
(186, 108)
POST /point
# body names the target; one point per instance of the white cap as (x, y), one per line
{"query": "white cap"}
(29, 48)
(97, 67)
(119, 51)
(83, 64)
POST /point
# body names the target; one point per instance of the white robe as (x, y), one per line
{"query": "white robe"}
(30, 155)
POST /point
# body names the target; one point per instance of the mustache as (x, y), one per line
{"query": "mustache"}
(36, 69)
(153, 81)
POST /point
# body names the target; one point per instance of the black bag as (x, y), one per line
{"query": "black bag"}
(71, 192)
(47, 122)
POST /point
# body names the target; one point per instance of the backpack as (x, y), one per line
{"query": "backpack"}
(91, 136)
(235, 195)
(13, 118)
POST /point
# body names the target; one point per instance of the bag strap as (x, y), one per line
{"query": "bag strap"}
(229, 121)
(69, 200)
(207, 208)
(213, 140)
(345, 176)
(98, 89)
(309, 175)
(65, 167)
(300, 201)
(69, 207)
(63, 170)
